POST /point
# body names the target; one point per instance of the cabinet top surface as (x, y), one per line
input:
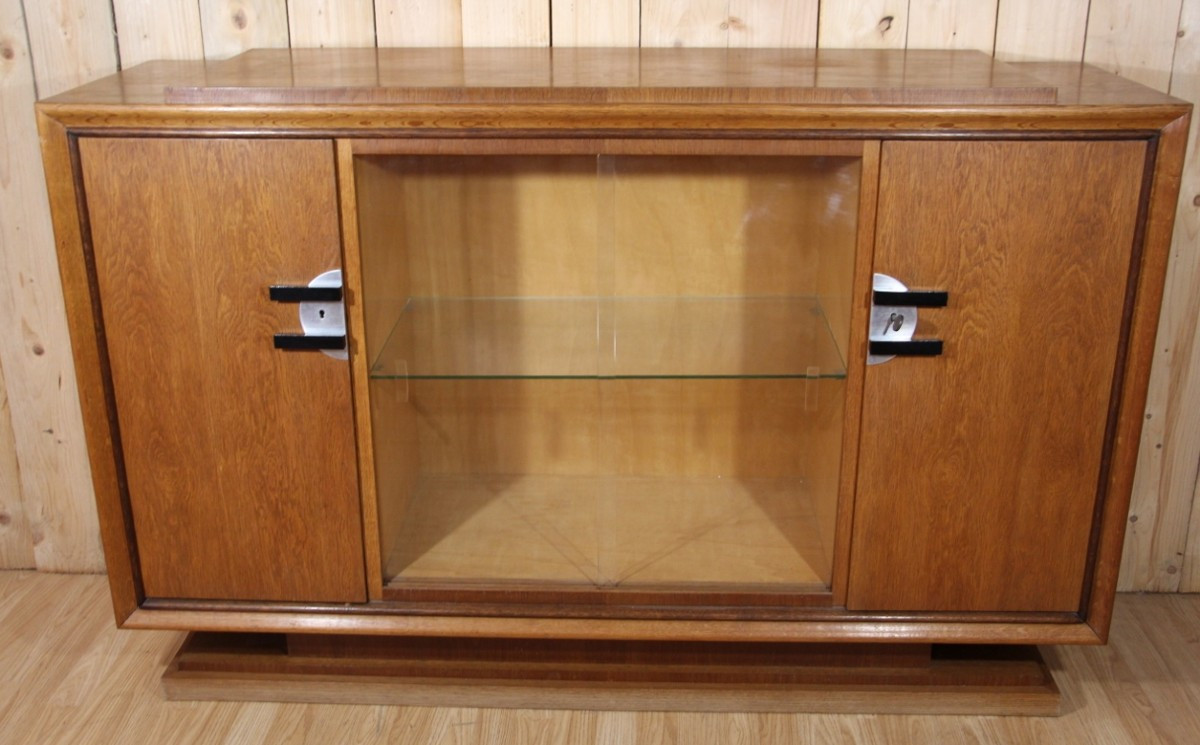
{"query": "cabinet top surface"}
(375, 77)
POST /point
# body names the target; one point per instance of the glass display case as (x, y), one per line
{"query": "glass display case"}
(615, 370)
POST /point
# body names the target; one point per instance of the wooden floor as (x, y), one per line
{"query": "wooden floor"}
(67, 676)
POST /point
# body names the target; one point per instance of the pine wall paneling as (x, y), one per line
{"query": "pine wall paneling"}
(68, 44)
(51, 45)
(863, 24)
(1180, 333)
(680, 23)
(785, 23)
(517, 23)
(16, 92)
(1139, 43)
(1133, 39)
(952, 24)
(157, 29)
(331, 23)
(16, 542)
(1036, 29)
(729, 23)
(232, 26)
(594, 23)
(418, 23)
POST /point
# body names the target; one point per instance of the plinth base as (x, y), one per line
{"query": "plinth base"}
(635, 676)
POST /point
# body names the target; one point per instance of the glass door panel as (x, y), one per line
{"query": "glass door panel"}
(607, 371)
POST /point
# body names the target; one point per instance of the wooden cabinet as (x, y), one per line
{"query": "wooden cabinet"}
(980, 469)
(236, 456)
(608, 379)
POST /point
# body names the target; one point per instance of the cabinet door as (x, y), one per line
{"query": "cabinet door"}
(239, 458)
(979, 469)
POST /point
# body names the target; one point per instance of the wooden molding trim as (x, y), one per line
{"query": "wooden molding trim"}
(86, 328)
(1160, 218)
(531, 628)
(823, 120)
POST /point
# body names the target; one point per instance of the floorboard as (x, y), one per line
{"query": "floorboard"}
(68, 676)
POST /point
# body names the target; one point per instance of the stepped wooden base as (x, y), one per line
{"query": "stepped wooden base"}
(644, 676)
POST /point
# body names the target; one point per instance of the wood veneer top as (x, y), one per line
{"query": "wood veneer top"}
(568, 75)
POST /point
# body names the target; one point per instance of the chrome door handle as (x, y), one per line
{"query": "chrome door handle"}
(894, 320)
(322, 315)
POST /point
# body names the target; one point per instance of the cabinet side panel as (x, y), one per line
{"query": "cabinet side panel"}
(239, 457)
(60, 161)
(979, 469)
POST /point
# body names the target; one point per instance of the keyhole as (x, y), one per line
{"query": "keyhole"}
(894, 322)
(321, 314)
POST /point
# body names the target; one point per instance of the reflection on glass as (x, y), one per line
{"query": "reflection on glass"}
(607, 371)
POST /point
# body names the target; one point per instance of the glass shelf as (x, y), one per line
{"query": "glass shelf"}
(680, 337)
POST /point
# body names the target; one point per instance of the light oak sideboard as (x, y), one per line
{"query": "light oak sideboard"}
(615, 378)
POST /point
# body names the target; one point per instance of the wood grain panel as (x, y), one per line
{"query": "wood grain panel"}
(484, 227)
(331, 23)
(1160, 208)
(979, 469)
(1191, 582)
(922, 631)
(594, 23)
(711, 428)
(233, 26)
(681, 23)
(746, 226)
(584, 88)
(507, 426)
(615, 532)
(729, 23)
(715, 428)
(1136, 40)
(239, 457)
(157, 29)
(418, 23)
(115, 530)
(1038, 30)
(1183, 392)
(16, 541)
(519, 23)
(34, 344)
(16, 93)
(952, 24)
(1156, 555)
(851, 24)
(784, 23)
(614, 676)
(71, 43)
(578, 469)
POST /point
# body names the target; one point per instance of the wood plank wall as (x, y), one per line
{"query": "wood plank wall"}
(46, 515)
